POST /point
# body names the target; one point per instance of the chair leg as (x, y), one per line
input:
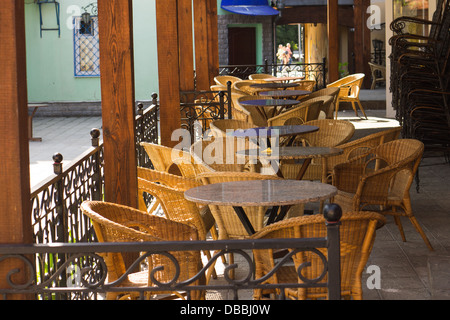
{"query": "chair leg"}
(354, 108)
(336, 109)
(362, 109)
(400, 227)
(420, 231)
(412, 218)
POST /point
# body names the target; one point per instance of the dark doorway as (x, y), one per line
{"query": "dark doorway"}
(241, 46)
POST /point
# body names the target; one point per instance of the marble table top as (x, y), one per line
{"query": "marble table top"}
(270, 102)
(284, 93)
(261, 193)
(286, 153)
(273, 85)
(281, 131)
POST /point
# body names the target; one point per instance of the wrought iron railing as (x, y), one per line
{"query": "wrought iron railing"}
(199, 108)
(55, 203)
(85, 271)
(311, 71)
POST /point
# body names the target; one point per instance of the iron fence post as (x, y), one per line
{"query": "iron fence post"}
(97, 176)
(324, 67)
(230, 115)
(333, 214)
(222, 105)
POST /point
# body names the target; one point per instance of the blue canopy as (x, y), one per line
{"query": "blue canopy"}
(249, 7)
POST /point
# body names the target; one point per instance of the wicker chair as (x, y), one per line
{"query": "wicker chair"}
(331, 133)
(254, 116)
(378, 73)
(223, 80)
(161, 157)
(244, 86)
(117, 223)
(350, 87)
(327, 108)
(301, 113)
(357, 235)
(381, 178)
(357, 147)
(219, 127)
(238, 111)
(258, 76)
(219, 154)
(308, 85)
(164, 186)
(331, 91)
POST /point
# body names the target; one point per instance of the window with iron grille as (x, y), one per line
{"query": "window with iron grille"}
(86, 48)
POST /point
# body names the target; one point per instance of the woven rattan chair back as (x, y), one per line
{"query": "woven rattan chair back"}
(117, 223)
(162, 157)
(380, 181)
(299, 114)
(258, 76)
(223, 80)
(219, 154)
(219, 128)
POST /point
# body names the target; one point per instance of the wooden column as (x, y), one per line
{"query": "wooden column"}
(169, 71)
(15, 211)
(213, 40)
(118, 100)
(333, 40)
(185, 40)
(201, 45)
(362, 40)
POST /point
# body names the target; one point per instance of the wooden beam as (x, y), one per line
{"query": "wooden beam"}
(15, 211)
(168, 69)
(362, 40)
(333, 40)
(213, 40)
(186, 55)
(118, 100)
(315, 14)
(201, 45)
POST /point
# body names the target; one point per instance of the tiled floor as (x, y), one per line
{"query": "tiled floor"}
(405, 267)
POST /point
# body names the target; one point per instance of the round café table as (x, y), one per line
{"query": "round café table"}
(273, 85)
(277, 94)
(277, 155)
(284, 79)
(276, 105)
(266, 193)
(290, 131)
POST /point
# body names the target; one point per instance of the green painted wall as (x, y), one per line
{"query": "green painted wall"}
(50, 59)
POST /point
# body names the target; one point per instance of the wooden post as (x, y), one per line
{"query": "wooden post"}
(118, 100)
(15, 208)
(185, 39)
(362, 40)
(333, 40)
(213, 40)
(201, 45)
(168, 68)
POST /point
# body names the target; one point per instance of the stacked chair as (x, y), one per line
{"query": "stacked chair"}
(419, 78)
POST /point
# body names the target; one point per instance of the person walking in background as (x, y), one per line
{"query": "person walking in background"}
(288, 53)
(281, 53)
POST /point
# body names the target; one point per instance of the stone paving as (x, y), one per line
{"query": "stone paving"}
(409, 271)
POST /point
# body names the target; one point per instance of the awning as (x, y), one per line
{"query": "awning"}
(249, 7)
